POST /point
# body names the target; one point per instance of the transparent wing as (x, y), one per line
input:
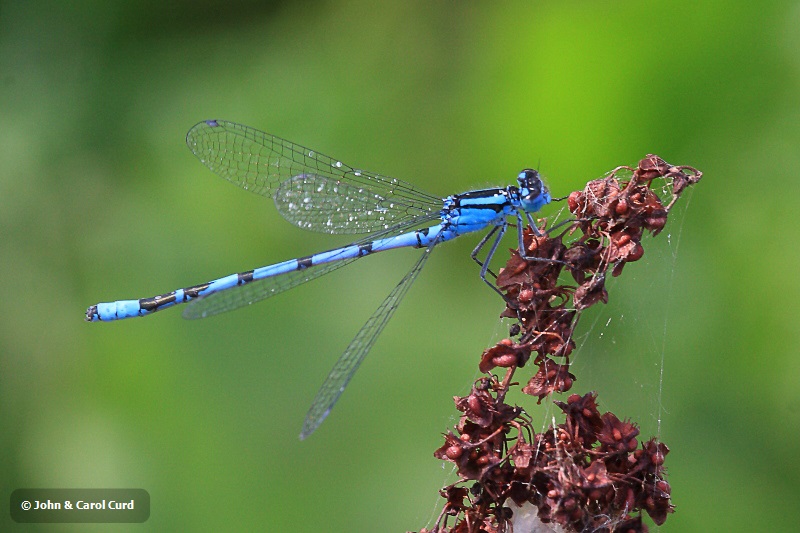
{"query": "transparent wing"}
(261, 163)
(255, 291)
(349, 361)
(320, 203)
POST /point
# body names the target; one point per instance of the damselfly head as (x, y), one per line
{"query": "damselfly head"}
(532, 191)
(530, 184)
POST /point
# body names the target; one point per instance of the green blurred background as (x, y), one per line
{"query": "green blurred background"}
(100, 199)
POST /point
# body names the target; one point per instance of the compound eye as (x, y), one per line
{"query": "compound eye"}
(529, 179)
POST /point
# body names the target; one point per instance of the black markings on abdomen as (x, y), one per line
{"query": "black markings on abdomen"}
(156, 302)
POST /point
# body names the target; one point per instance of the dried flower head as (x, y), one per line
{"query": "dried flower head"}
(590, 472)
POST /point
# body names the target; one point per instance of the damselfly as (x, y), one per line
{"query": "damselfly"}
(319, 193)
